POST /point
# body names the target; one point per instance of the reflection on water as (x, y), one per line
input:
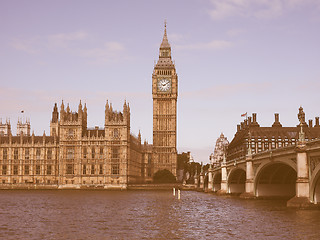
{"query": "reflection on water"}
(82, 214)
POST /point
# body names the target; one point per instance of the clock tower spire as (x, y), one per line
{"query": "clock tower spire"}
(164, 94)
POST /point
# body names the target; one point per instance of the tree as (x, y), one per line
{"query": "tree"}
(164, 176)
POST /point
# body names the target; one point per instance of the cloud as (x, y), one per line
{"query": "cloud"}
(110, 51)
(39, 44)
(228, 90)
(213, 45)
(26, 46)
(64, 39)
(255, 8)
(78, 43)
(235, 32)
(176, 37)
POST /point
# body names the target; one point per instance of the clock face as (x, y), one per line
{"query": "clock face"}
(164, 85)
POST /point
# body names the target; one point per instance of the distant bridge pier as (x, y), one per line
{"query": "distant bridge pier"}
(210, 180)
(196, 180)
(224, 180)
(201, 187)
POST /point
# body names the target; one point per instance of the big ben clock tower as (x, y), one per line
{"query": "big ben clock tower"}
(164, 94)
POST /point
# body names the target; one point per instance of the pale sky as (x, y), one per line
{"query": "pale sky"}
(232, 57)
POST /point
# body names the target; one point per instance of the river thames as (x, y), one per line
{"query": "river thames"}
(72, 214)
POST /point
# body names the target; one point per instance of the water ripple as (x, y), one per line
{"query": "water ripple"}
(148, 215)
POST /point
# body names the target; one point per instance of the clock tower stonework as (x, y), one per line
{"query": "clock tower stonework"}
(164, 94)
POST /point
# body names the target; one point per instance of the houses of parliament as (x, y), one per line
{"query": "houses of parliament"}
(75, 156)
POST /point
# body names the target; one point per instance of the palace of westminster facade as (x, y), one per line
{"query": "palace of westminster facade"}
(74, 156)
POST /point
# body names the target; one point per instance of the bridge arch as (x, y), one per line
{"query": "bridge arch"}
(236, 180)
(276, 179)
(216, 181)
(315, 185)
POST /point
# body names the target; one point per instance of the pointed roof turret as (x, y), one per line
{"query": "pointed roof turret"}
(165, 43)
(62, 106)
(165, 61)
(85, 107)
(55, 114)
(80, 106)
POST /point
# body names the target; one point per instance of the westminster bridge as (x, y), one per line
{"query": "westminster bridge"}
(290, 171)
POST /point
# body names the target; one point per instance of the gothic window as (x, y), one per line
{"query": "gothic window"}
(101, 152)
(92, 153)
(115, 155)
(26, 170)
(101, 169)
(70, 133)
(70, 153)
(92, 169)
(286, 142)
(49, 169)
(15, 170)
(4, 169)
(84, 169)
(5, 154)
(37, 169)
(15, 153)
(38, 153)
(116, 133)
(115, 152)
(49, 153)
(115, 168)
(69, 169)
(26, 153)
(84, 152)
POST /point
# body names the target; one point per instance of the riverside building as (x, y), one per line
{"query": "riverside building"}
(75, 156)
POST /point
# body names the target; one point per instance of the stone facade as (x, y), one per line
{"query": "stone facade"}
(75, 156)
(164, 94)
(268, 138)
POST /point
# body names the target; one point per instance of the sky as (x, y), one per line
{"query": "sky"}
(231, 57)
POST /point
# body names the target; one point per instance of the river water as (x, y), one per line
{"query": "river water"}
(64, 214)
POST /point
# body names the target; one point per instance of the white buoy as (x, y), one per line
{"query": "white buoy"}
(179, 194)
(174, 191)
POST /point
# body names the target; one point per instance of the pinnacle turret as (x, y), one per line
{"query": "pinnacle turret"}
(165, 60)
(165, 43)
(55, 114)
